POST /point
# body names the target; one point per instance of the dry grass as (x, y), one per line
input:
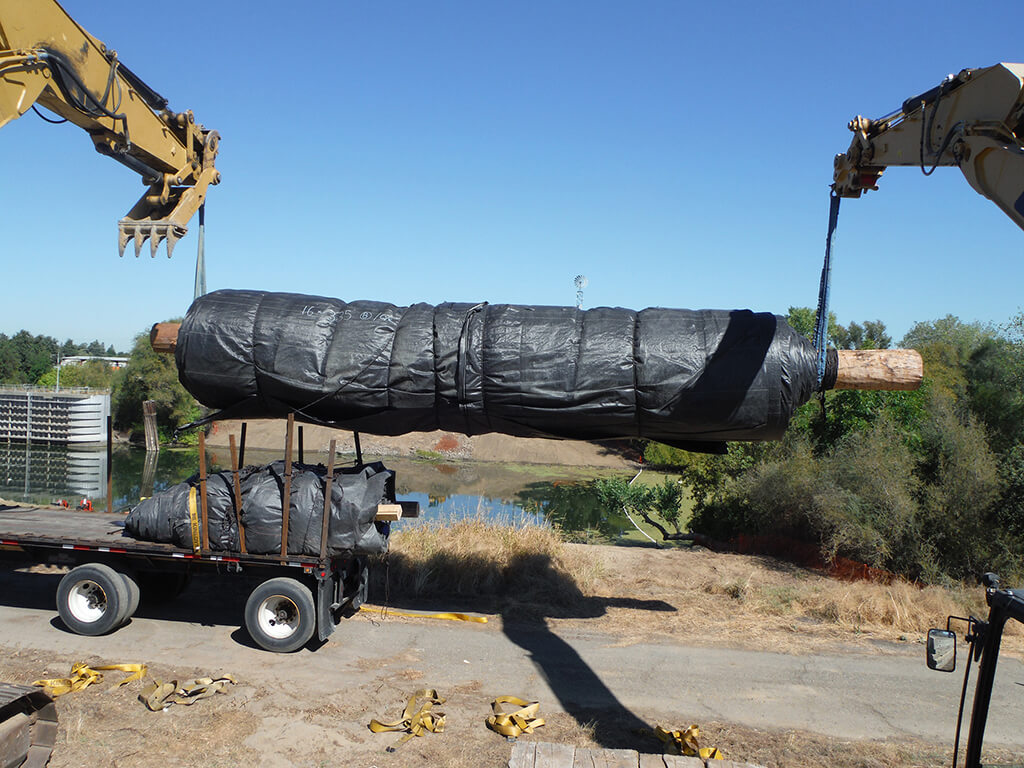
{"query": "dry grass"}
(636, 592)
(479, 558)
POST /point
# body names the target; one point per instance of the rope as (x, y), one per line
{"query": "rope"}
(385, 611)
(159, 696)
(417, 718)
(821, 321)
(684, 742)
(82, 676)
(630, 517)
(517, 722)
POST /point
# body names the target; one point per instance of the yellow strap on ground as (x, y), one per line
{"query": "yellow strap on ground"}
(417, 717)
(158, 696)
(684, 742)
(193, 516)
(82, 676)
(385, 611)
(522, 720)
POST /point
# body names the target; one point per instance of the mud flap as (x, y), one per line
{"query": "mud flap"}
(340, 594)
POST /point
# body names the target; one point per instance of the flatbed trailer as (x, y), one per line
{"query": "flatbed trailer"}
(296, 595)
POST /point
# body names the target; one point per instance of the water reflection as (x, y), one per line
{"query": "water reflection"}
(42, 473)
(515, 494)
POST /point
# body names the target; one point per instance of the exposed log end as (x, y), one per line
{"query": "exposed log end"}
(163, 337)
(894, 370)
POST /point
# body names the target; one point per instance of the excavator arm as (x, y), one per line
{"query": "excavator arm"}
(46, 58)
(973, 120)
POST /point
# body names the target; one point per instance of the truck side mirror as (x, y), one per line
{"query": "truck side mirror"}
(941, 650)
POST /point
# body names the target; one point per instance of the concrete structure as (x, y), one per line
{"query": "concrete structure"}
(42, 415)
(113, 362)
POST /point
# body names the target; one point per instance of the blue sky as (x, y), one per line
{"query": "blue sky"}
(677, 154)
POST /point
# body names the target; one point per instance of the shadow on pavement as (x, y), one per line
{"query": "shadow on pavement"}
(526, 594)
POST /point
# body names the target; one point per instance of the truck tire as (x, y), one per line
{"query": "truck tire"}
(134, 594)
(92, 599)
(280, 615)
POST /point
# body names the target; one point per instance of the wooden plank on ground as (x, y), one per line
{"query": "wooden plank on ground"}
(554, 755)
(524, 754)
(678, 761)
(606, 758)
(648, 760)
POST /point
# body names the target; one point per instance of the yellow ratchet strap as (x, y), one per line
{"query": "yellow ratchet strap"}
(193, 516)
(684, 742)
(512, 724)
(385, 612)
(82, 676)
(417, 717)
(158, 696)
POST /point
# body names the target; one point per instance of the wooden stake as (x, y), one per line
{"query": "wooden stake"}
(238, 492)
(149, 422)
(287, 501)
(328, 481)
(110, 465)
(205, 533)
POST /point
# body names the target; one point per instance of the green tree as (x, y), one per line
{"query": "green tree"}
(151, 376)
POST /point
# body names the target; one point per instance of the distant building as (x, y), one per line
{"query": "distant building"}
(113, 362)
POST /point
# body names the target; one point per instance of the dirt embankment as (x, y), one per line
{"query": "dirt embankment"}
(269, 434)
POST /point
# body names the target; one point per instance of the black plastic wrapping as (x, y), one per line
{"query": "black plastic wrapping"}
(688, 378)
(355, 494)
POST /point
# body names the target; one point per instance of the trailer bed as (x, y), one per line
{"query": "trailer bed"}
(54, 528)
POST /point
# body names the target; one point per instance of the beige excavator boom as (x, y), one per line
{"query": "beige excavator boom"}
(973, 120)
(46, 58)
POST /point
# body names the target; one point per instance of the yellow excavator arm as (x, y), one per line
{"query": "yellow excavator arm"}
(46, 58)
(973, 120)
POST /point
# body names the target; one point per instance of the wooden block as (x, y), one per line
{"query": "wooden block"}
(648, 760)
(554, 755)
(606, 758)
(163, 337)
(678, 761)
(524, 755)
(388, 513)
(410, 508)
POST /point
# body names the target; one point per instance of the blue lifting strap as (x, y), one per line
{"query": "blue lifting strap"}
(821, 319)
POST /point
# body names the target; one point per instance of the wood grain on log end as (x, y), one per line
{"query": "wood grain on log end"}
(163, 337)
(879, 369)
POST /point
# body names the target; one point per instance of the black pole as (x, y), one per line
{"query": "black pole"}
(241, 447)
(359, 450)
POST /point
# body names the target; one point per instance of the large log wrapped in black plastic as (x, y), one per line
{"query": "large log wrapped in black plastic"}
(355, 494)
(683, 377)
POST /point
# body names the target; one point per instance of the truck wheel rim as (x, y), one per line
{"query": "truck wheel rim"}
(278, 617)
(87, 601)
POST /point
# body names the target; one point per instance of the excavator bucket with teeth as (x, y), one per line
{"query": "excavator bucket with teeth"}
(142, 230)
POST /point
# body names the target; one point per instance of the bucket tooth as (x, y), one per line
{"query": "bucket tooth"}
(122, 239)
(140, 238)
(154, 241)
(172, 240)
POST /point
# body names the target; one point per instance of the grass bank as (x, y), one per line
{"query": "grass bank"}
(637, 592)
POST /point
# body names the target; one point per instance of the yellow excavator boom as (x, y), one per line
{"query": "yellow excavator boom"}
(973, 120)
(46, 58)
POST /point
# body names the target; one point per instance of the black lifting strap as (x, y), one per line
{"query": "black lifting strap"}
(821, 321)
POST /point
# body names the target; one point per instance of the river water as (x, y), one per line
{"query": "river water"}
(511, 493)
